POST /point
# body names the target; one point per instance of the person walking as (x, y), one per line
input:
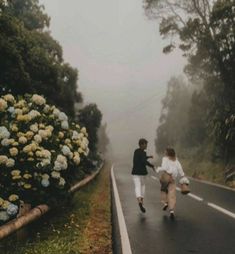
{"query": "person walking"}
(139, 171)
(171, 169)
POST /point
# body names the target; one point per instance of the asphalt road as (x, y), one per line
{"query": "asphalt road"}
(197, 228)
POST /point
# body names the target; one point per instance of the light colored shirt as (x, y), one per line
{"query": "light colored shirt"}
(173, 168)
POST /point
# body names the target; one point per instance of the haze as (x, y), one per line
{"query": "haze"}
(118, 53)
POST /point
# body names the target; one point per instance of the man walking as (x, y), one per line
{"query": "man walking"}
(139, 171)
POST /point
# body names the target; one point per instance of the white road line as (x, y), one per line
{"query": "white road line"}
(126, 247)
(222, 210)
(195, 197)
(154, 177)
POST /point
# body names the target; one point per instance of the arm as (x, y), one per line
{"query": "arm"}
(180, 169)
(145, 160)
(163, 166)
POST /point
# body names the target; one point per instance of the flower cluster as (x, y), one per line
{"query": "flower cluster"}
(40, 150)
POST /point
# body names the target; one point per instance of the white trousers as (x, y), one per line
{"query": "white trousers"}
(139, 182)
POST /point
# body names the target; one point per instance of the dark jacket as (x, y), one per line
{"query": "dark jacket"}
(140, 162)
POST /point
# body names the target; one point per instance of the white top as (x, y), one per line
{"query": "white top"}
(173, 168)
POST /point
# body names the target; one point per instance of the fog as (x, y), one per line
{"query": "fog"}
(118, 53)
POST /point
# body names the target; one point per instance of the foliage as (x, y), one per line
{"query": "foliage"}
(31, 60)
(205, 32)
(90, 116)
(40, 152)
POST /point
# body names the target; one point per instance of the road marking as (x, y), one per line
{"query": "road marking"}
(195, 197)
(154, 177)
(222, 210)
(125, 242)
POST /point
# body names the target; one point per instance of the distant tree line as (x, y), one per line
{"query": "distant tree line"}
(199, 117)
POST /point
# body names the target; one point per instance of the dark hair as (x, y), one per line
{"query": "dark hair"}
(170, 152)
(142, 141)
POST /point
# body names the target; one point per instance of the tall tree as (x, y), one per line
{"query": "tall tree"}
(205, 31)
(31, 60)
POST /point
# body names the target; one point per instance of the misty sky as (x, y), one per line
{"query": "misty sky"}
(118, 53)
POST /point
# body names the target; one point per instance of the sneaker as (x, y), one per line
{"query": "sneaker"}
(143, 210)
(172, 215)
(165, 207)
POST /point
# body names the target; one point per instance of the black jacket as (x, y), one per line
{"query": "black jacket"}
(140, 162)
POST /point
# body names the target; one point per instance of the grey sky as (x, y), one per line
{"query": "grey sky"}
(118, 53)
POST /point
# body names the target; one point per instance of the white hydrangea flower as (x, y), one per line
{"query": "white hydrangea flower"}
(4, 216)
(65, 125)
(33, 114)
(62, 116)
(45, 182)
(46, 109)
(61, 181)
(12, 209)
(37, 99)
(4, 133)
(55, 174)
(34, 127)
(10, 163)
(75, 135)
(5, 142)
(66, 150)
(38, 138)
(45, 176)
(56, 112)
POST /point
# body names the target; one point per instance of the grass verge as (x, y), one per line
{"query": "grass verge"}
(83, 227)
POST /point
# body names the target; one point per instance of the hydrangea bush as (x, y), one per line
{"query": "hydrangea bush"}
(40, 152)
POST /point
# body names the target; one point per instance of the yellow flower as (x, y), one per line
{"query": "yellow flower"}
(13, 151)
(29, 134)
(30, 159)
(27, 176)
(13, 197)
(3, 159)
(30, 154)
(67, 141)
(15, 144)
(3, 105)
(9, 97)
(5, 204)
(23, 140)
(14, 128)
(27, 186)
(1, 201)
(15, 172)
(61, 134)
(16, 177)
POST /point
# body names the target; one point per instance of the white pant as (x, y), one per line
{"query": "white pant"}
(139, 182)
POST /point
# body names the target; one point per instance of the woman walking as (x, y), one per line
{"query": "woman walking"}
(171, 168)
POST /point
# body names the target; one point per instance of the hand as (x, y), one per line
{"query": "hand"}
(150, 157)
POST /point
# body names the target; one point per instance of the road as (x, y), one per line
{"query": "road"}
(204, 223)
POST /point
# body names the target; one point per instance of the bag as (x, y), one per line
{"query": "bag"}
(165, 178)
(184, 188)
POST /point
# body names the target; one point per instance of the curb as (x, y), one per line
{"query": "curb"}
(40, 210)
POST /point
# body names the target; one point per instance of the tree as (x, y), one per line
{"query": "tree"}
(90, 116)
(31, 60)
(205, 31)
(174, 116)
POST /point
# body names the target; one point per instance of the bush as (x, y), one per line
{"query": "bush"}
(41, 152)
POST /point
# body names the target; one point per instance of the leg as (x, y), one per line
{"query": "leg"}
(137, 183)
(172, 199)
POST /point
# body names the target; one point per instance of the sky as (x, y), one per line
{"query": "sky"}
(118, 53)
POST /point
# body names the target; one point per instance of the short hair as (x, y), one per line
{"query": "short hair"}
(142, 141)
(170, 152)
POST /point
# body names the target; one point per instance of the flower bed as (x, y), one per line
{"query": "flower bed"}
(41, 152)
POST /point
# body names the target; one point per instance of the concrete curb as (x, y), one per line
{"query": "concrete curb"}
(40, 210)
